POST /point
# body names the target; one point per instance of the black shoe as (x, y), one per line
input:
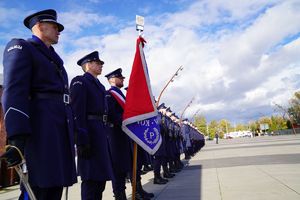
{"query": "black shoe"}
(146, 168)
(174, 170)
(120, 196)
(139, 196)
(148, 194)
(164, 179)
(142, 192)
(168, 175)
(159, 181)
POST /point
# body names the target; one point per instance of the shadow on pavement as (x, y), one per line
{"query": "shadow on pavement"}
(186, 185)
(247, 160)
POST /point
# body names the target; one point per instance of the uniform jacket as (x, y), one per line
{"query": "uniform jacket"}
(89, 98)
(163, 132)
(120, 143)
(30, 68)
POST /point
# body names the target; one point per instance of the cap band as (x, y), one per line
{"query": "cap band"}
(48, 20)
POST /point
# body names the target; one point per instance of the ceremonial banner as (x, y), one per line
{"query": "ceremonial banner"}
(140, 113)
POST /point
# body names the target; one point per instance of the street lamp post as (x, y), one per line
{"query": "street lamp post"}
(196, 113)
(171, 80)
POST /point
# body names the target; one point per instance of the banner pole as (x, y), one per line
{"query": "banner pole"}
(134, 164)
(140, 28)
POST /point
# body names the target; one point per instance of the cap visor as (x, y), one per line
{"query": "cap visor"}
(60, 27)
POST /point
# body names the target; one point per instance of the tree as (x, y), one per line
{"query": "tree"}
(278, 123)
(200, 123)
(253, 126)
(241, 127)
(223, 126)
(294, 109)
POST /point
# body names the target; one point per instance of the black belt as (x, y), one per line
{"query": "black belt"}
(103, 118)
(60, 97)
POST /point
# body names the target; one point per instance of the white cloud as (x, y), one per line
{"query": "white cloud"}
(236, 56)
(76, 22)
(227, 70)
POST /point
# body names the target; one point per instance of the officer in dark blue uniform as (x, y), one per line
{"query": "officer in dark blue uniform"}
(38, 117)
(120, 143)
(178, 144)
(170, 140)
(186, 129)
(160, 154)
(89, 102)
(175, 149)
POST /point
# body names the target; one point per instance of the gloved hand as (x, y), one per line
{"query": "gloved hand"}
(15, 150)
(13, 156)
(84, 151)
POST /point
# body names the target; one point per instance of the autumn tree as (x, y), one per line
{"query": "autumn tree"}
(200, 123)
(278, 123)
(224, 126)
(253, 126)
(294, 109)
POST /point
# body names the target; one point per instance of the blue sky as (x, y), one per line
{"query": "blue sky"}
(239, 57)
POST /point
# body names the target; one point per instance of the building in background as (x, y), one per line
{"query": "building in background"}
(8, 177)
(2, 129)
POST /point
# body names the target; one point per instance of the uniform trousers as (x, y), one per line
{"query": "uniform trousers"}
(92, 190)
(53, 193)
(119, 181)
(164, 164)
(158, 161)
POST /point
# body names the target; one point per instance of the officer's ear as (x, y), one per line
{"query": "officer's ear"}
(83, 67)
(111, 80)
(38, 27)
(86, 66)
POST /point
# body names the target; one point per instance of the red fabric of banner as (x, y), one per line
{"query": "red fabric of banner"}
(138, 99)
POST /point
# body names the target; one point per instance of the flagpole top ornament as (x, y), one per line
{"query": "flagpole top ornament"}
(140, 22)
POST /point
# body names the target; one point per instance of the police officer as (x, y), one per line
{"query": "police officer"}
(186, 129)
(90, 111)
(120, 143)
(160, 154)
(177, 144)
(38, 116)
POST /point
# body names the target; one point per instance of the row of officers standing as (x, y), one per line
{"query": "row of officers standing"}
(45, 118)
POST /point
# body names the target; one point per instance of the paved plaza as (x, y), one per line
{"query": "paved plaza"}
(260, 168)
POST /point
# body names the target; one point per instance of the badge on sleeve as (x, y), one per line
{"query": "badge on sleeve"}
(14, 47)
(77, 82)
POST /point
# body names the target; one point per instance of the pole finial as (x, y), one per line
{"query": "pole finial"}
(140, 22)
